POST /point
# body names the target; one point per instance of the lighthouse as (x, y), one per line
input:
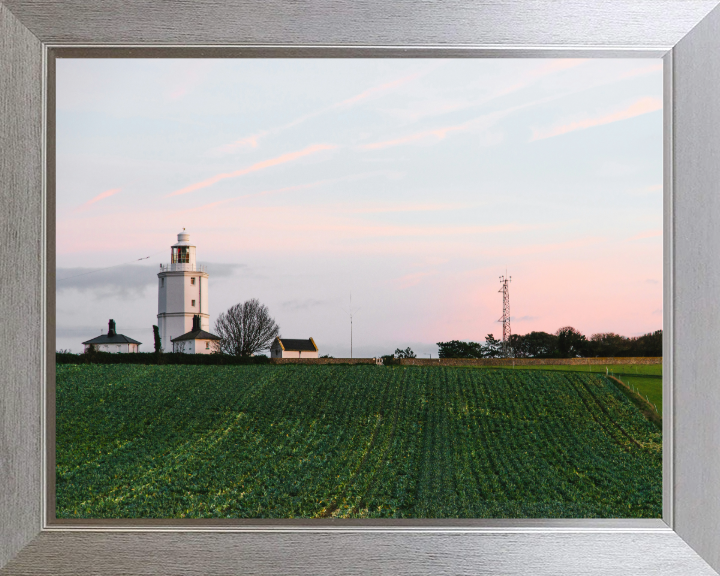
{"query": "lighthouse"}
(182, 292)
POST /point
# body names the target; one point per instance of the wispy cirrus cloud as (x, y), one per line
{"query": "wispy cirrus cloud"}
(434, 107)
(99, 197)
(252, 141)
(408, 207)
(642, 106)
(295, 188)
(284, 158)
(554, 247)
(478, 123)
(439, 133)
(249, 142)
(641, 71)
(289, 222)
(263, 193)
(377, 90)
(436, 133)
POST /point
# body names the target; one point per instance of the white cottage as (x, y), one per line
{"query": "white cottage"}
(182, 292)
(293, 348)
(197, 341)
(112, 341)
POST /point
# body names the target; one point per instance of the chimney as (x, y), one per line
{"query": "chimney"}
(111, 328)
(196, 323)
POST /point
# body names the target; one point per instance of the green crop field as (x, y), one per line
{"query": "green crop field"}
(645, 378)
(626, 369)
(293, 441)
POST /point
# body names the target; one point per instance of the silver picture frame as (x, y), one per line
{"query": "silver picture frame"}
(685, 33)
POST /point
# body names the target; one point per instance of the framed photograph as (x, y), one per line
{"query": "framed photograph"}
(372, 203)
(685, 35)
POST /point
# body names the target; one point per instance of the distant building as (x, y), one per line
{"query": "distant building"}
(291, 348)
(182, 292)
(197, 341)
(113, 342)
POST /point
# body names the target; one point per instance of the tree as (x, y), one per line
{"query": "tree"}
(609, 344)
(156, 338)
(407, 353)
(571, 343)
(459, 349)
(533, 345)
(245, 329)
(492, 347)
(179, 347)
(647, 345)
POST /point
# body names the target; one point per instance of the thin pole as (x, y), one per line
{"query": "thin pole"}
(350, 311)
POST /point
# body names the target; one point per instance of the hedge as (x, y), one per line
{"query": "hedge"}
(155, 358)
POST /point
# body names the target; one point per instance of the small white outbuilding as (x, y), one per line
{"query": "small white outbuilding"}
(197, 341)
(113, 342)
(293, 348)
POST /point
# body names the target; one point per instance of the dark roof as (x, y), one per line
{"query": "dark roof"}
(295, 345)
(196, 335)
(116, 339)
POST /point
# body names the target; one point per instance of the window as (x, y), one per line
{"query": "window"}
(192, 281)
(180, 255)
(162, 282)
(207, 345)
(193, 302)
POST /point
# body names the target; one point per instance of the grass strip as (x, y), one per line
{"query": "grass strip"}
(643, 405)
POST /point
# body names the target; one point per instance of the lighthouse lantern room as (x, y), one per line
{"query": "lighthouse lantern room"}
(182, 292)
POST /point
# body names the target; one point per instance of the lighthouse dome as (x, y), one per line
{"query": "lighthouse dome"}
(183, 239)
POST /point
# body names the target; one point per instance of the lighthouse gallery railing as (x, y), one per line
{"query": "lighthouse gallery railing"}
(183, 268)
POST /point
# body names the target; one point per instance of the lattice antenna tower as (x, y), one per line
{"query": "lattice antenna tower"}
(505, 289)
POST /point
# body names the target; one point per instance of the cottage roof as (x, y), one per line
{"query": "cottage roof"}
(112, 337)
(196, 335)
(297, 345)
(115, 339)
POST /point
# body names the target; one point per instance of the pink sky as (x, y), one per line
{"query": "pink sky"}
(412, 184)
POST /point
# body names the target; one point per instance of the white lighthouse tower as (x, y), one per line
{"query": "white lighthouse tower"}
(182, 293)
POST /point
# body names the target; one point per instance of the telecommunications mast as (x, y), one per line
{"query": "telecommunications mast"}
(505, 289)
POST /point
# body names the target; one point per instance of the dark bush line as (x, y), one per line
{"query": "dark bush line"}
(567, 342)
(154, 358)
